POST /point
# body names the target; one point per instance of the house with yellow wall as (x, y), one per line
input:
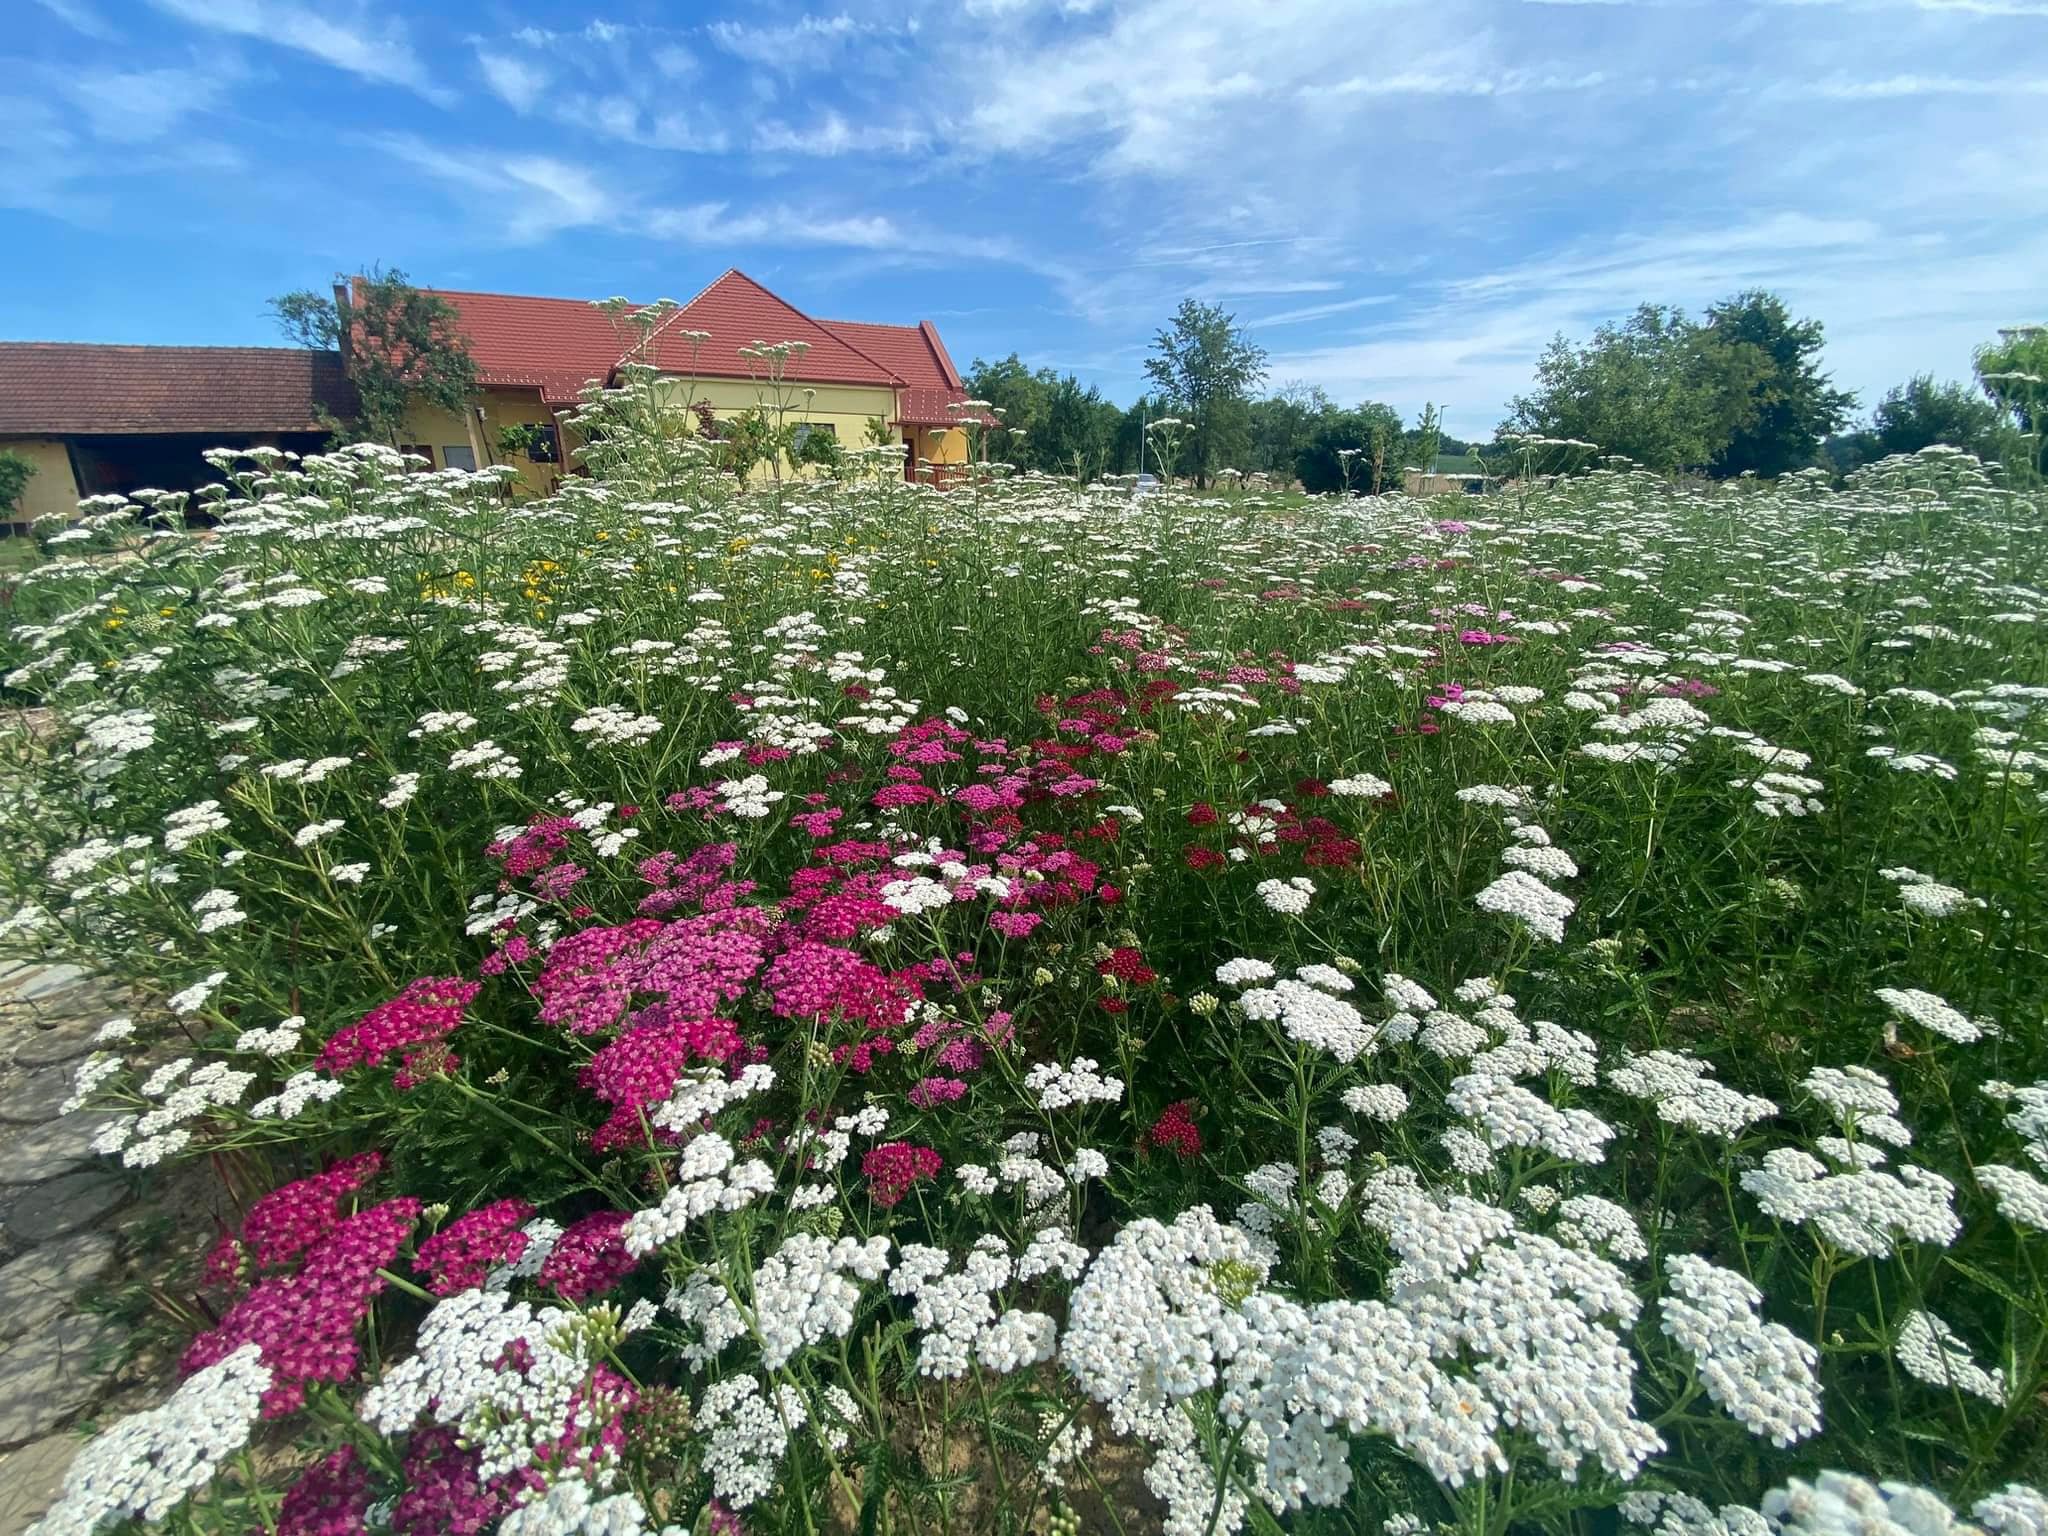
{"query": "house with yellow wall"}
(535, 356)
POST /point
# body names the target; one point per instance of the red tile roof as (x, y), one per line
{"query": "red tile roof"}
(76, 387)
(557, 345)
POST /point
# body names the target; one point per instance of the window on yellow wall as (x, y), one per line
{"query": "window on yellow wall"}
(459, 456)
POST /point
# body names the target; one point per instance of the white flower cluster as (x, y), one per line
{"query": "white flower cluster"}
(915, 895)
(1866, 1212)
(1861, 1101)
(703, 1092)
(1521, 896)
(1058, 1087)
(1361, 786)
(1306, 1011)
(144, 1140)
(1509, 1115)
(1924, 896)
(1686, 1094)
(1288, 897)
(2021, 1197)
(1913, 1006)
(611, 726)
(1842, 1504)
(747, 1435)
(146, 1465)
(1761, 1374)
(461, 1374)
(800, 1294)
(749, 798)
(299, 1090)
(1930, 1351)
(184, 828)
(957, 1311)
(708, 1179)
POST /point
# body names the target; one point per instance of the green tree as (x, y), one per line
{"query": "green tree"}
(1206, 366)
(1921, 412)
(1765, 369)
(1646, 388)
(2013, 372)
(399, 344)
(1013, 389)
(1353, 450)
(1283, 424)
(1076, 433)
(16, 470)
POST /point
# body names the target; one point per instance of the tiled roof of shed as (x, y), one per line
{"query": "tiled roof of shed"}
(80, 387)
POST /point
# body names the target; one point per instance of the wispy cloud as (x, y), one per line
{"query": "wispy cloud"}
(516, 81)
(803, 45)
(1318, 312)
(80, 17)
(369, 47)
(547, 194)
(833, 134)
(141, 106)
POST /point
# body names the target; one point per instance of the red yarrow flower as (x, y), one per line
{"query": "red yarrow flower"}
(895, 1166)
(1175, 1130)
(462, 1254)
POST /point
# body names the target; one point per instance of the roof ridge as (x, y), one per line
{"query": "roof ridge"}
(887, 372)
(173, 346)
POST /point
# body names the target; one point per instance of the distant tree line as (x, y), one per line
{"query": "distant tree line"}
(1739, 391)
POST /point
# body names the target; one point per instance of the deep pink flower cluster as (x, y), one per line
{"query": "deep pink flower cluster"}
(638, 1070)
(697, 880)
(895, 1166)
(534, 849)
(330, 1498)
(293, 1217)
(822, 983)
(421, 1016)
(590, 1258)
(463, 1253)
(930, 1092)
(305, 1323)
(443, 1495)
(695, 964)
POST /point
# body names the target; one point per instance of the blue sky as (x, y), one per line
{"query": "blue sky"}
(1403, 201)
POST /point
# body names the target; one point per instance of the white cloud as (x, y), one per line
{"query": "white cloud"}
(513, 80)
(803, 45)
(833, 134)
(141, 106)
(1317, 312)
(372, 49)
(531, 196)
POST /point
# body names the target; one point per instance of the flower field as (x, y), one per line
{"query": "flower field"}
(850, 1008)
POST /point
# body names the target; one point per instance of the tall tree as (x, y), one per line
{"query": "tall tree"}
(1206, 366)
(1920, 413)
(1013, 388)
(399, 344)
(1283, 424)
(1773, 396)
(1645, 388)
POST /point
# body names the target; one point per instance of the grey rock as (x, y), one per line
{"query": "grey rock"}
(43, 1282)
(37, 1096)
(64, 1042)
(55, 1147)
(31, 1478)
(49, 1375)
(66, 1203)
(41, 981)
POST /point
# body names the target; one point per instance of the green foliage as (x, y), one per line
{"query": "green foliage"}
(1353, 451)
(1051, 421)
(2013, 372)
(1740, 393)
(1764, 369)
(399, 343)
(1206, 365)
(1921, 412)
(16, 470)
(1644, 388)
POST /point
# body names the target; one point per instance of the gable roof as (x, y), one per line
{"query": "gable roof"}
(81, 387)
(558, 345)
